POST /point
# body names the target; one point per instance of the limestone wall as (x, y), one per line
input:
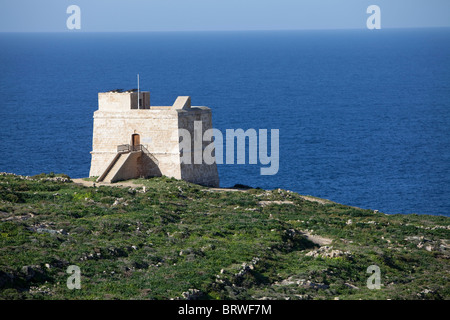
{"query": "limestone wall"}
(198, 173)
(122, 101)
(158, 130)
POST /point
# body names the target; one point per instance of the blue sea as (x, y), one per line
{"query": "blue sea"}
(363, 115)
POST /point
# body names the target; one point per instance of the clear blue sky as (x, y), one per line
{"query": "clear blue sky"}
(174, 15)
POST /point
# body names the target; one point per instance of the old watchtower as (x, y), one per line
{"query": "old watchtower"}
(133, 139)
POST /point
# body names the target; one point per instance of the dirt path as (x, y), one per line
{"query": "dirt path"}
(317, 239)
(129, 183)
(318, 200)
(313, 238)
(116, 184)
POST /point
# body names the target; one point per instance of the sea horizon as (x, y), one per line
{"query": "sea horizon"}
(363, 116)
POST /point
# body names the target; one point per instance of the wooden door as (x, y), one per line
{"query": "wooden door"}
(135, 140)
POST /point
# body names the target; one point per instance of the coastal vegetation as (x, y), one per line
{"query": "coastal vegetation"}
(162, 238)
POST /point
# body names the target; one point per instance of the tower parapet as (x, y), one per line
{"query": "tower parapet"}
(119, 101)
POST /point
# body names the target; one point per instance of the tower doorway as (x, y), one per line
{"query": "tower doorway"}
(135, 140)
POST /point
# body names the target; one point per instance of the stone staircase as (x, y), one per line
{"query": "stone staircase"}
(114, 167)
(125, 165)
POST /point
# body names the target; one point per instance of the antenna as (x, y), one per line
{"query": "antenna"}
(138, 95)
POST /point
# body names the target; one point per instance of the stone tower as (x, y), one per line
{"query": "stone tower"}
(133, 139)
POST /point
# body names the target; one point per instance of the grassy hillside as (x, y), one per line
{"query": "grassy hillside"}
(178, 240)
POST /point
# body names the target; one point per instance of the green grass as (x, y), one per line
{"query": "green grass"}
(91, 178)
(179, 236)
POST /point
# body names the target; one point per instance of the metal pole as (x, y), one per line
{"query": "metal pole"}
(139, 105)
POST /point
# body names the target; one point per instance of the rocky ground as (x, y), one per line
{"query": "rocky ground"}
(166, 239)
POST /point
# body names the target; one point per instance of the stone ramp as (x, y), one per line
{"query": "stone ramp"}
(110, 174)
